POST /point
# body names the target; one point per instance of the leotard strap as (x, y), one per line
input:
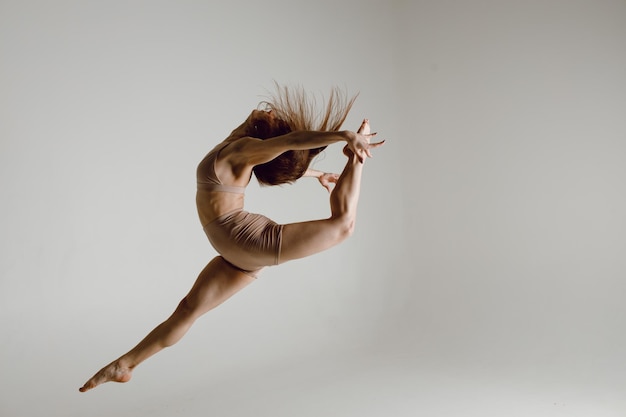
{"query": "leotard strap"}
(206, 177)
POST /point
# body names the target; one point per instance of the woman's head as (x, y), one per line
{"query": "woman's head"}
(264, 125)
(291, 110)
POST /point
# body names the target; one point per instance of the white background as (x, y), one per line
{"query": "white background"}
(487, 273)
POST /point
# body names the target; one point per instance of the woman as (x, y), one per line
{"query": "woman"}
(277, 144)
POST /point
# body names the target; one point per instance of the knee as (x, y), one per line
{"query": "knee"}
(185, 309)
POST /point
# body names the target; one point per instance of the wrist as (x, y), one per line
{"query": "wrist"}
(348, 135)
(313, 173)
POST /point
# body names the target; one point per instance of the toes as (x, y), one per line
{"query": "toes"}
(95, 380)
(86, 387)
(112, 372)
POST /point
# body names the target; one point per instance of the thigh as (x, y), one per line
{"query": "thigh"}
(217, 282)
(307, 238)
(247, 240)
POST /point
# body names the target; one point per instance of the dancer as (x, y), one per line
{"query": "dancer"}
(277, 143)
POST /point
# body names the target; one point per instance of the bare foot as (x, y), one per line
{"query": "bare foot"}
(113, 372)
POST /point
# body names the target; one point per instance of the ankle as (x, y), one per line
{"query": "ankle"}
(126, 362)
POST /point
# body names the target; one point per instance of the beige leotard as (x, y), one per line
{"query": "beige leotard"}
(247, 241)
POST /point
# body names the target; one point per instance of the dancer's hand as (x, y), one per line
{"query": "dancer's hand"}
(328, 178)
(359, 142)
(325, 178)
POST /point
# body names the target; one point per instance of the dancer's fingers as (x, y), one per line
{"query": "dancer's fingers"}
(372, 146)
(364, 129)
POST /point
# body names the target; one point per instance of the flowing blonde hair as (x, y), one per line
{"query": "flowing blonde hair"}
(296, 110)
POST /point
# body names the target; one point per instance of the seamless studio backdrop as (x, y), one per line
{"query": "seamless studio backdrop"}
(487, 273)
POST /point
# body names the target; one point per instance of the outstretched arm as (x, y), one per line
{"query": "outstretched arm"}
(252, 151)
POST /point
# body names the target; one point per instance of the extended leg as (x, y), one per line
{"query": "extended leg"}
(217, 282)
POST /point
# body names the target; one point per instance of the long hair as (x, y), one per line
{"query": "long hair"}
(294, 110)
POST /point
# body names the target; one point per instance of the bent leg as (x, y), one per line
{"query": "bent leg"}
(307, 238)
(217, 282)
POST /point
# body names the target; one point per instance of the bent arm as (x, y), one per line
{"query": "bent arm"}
(313, 173)
(325, 178)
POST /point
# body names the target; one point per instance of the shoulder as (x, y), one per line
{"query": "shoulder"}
(238, 146)
(238, 151)
(250, 151)
(230, 164)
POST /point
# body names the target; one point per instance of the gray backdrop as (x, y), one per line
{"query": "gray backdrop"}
(487, 272)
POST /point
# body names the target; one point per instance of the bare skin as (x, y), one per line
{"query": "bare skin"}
(218, 281)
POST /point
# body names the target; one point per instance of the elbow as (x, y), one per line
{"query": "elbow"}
(345, 227)
(349, 229)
